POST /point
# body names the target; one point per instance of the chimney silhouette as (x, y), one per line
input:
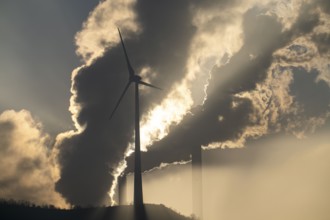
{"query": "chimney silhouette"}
(197, 181)
(122, 184)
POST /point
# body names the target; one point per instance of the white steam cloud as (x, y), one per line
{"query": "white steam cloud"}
(97, 33)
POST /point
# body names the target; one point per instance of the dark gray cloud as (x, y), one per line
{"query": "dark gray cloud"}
(307, 20)
(6, 130)
(324, 5)
(305, 88)
(322, 40)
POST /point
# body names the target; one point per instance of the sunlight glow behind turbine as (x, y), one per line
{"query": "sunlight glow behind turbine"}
(156, 123)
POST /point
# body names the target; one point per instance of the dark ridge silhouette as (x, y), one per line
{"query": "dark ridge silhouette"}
(10, 210)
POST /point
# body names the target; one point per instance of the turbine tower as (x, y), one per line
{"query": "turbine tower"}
(133, 78)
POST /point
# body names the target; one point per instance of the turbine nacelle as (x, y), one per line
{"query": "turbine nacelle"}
(135, 78)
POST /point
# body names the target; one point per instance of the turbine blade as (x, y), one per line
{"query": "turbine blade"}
(147, 84)
(130, 69)
(121, 97)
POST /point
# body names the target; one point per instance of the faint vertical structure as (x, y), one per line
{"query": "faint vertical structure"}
(197, 181)
(122, 184)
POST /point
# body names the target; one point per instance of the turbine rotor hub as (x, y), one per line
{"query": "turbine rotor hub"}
(136, 78)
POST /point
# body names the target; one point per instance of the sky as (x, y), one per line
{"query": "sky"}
(249, 82)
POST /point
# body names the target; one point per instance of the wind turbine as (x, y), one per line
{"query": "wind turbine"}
(133, 78)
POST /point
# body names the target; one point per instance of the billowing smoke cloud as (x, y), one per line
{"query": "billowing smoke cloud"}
(27, 169)
(261, 89)
(238, 61)
(89, 156)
